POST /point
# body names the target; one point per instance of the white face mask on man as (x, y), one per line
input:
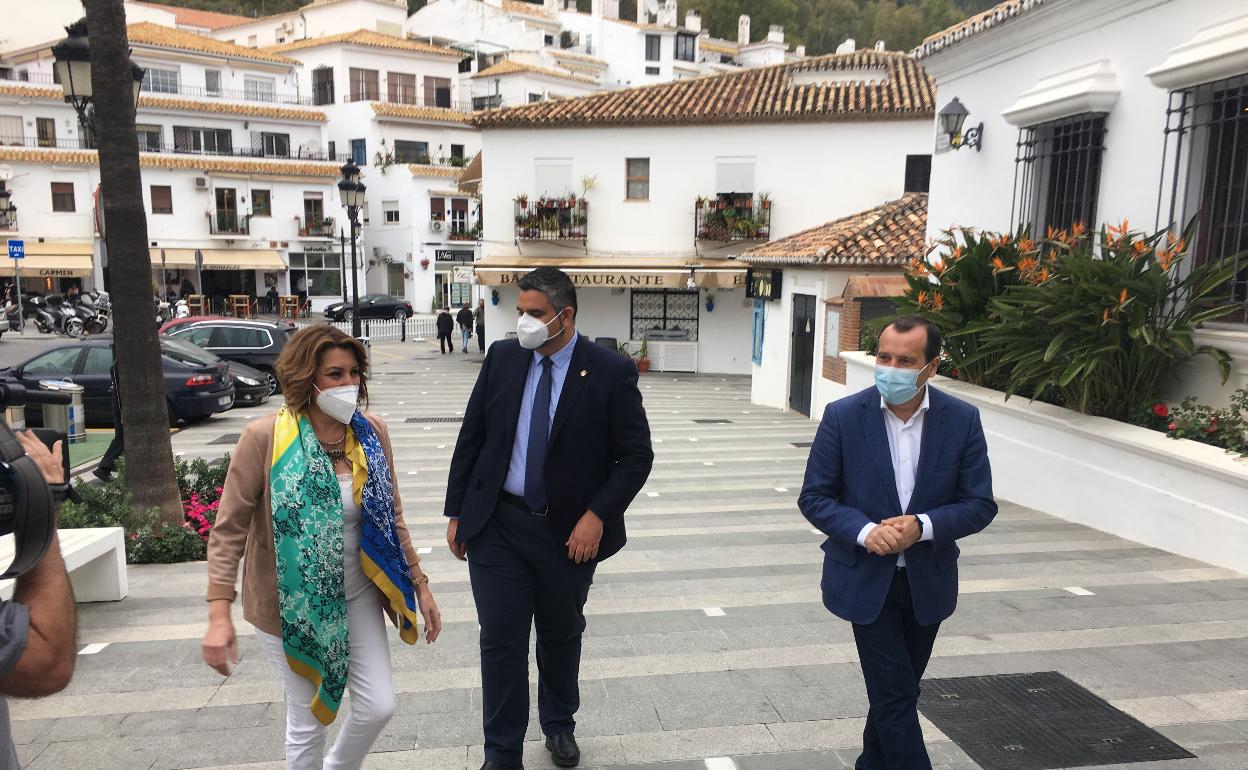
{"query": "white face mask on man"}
(532, 333)
(339, 403)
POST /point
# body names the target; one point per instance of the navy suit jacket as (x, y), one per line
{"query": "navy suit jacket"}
(849, 483)
(598, 457)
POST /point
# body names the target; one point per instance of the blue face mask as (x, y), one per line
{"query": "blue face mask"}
(897, 386)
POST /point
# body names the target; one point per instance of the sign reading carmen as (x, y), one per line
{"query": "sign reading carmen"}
(56, 272)
(615, 280)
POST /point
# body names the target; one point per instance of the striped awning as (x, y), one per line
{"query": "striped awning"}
(51, 260)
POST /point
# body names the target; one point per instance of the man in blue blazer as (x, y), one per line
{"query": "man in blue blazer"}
(554, 446)
(897, 474)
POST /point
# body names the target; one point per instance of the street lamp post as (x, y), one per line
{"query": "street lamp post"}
(351, 195)
(8, 210)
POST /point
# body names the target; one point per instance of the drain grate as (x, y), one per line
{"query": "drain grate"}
(803, 444)
(713, 422)
(1039, 721)
(229, 438)
(433, 419)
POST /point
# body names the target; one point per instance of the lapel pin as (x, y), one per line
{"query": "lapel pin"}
(584, 372)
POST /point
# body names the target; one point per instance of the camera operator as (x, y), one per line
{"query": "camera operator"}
(37, 627)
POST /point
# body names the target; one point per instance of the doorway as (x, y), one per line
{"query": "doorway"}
(802, 363)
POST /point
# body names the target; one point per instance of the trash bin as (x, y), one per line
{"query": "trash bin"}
(15, 416)
(71, 418)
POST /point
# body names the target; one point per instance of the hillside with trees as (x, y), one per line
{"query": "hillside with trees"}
(820, 25)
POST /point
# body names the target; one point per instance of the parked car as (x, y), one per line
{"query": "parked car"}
(251, 386)
(254, 343)
(372, 306)
(197, 386)
(174, 323)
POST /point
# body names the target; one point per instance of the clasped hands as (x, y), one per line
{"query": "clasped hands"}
(892, 536)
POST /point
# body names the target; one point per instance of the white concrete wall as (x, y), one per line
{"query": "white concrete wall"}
(1117, 478)
(516, 88)
(989, 72)
(472, 20)
(866, 159)
(318, 21)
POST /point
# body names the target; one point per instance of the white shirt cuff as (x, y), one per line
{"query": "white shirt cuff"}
(927, 527)
(862, 533)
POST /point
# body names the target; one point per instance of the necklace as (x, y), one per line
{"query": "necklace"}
(335, 449)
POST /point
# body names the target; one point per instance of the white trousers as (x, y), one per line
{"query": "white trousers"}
(369, 682)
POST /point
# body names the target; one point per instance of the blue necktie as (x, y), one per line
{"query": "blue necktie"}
(539, 435)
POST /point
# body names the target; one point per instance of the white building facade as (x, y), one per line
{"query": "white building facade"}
(647, 218)
(1082, 122)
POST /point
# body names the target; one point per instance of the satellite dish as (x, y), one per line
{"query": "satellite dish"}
(652, 7)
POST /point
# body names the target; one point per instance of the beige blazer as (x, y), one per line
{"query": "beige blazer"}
(245, 526)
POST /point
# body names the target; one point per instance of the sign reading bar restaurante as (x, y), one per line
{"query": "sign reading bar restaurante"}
(605, 279)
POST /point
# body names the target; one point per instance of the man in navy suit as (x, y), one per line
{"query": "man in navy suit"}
(897, 474)
(554, 446)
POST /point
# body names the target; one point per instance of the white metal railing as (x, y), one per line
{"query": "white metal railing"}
(388, 330)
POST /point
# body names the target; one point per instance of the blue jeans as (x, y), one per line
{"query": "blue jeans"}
(467, 333)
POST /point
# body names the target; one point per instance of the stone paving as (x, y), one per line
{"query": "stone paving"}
(707, 648)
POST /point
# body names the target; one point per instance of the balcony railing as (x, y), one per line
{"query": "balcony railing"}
(199, 92)
(551, 219)
(732, 218)
(318, 228)
(84, 143)
(229, 223)
(459, 232)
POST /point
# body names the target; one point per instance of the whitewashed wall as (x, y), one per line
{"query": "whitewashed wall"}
(317, 21)
(989, 72)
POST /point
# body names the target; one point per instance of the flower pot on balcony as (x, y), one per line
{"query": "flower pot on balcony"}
(643, 365)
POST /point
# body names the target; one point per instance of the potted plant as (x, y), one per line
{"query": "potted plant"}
(700, 202)
(643, 359)
(522, 200)
(710, 301)
(764, 200)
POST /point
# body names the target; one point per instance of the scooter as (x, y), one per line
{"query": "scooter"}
(93, 308)
(38, 312)
(64, 318)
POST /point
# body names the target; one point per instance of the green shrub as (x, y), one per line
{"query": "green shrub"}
(1226, 428)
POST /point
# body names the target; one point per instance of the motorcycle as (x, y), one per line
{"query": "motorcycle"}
(41, 315)
(94, 308)
(63, 317)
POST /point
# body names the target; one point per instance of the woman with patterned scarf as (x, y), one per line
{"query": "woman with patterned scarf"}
(311, 500)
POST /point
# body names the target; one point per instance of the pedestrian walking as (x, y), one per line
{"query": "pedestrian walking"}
(446, 325)
(553, 448)
(480, 318)
(897, 474)
(108, 463)
(465, 321)
(311, 500)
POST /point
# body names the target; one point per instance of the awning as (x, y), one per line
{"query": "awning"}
(604, 272)
(52, 260)
(220, 259)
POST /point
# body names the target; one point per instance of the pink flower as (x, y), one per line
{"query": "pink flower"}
(1161, 410)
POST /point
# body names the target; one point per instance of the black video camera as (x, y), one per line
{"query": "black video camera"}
(26, 506)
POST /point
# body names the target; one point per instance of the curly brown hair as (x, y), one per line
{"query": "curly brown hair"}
(300, 359)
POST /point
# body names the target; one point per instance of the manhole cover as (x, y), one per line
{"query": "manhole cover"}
(1038, 722)
(803, 444)
(713, 422)
(434, 419)
(229, 438)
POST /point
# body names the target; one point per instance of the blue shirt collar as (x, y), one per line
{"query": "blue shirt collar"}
(561, 359)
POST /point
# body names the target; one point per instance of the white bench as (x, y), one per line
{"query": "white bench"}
(94, 557)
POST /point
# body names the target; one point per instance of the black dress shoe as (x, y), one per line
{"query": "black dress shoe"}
(563, 750)
(492, 765)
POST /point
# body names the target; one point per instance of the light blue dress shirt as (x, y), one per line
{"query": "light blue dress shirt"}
(559, 363)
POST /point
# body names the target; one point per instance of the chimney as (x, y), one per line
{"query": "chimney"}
(846, 47)
(743, 30)
(775, 34)
(667, 14)
(800, 52)
(693, 21)
(611, 9)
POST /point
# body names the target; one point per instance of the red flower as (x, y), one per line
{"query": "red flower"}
(1172, 426)
(1161, 410)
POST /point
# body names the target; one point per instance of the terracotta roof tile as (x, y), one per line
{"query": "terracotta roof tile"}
(998, 14)
(171, 161)
(368, 39)
(757, 95)
(718, 46)
(889, 235)
(151, 101)
(192, 17)
(417, 112)
(248, 20)
(446, 172)
(520, 8)
(509, 67)
(156, 36)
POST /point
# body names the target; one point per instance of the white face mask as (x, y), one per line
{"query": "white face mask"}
(532, 333)
(339, 402)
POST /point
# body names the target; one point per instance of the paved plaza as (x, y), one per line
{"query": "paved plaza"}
(708, 647)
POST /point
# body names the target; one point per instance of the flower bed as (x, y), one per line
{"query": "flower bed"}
(1180, 496)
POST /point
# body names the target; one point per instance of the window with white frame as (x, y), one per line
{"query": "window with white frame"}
(653, 43)
(212, 82)
(1058, 173)
(257, 89)
(390, 212)
(161, 81)
(149, 136)
(1205, 177)
(637, 179)
(213, 141)
(552, 176)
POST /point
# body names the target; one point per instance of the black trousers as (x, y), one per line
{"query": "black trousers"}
(445, 344)
(894, 651)
(115, 447)
(480, 338)
(522, 576)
